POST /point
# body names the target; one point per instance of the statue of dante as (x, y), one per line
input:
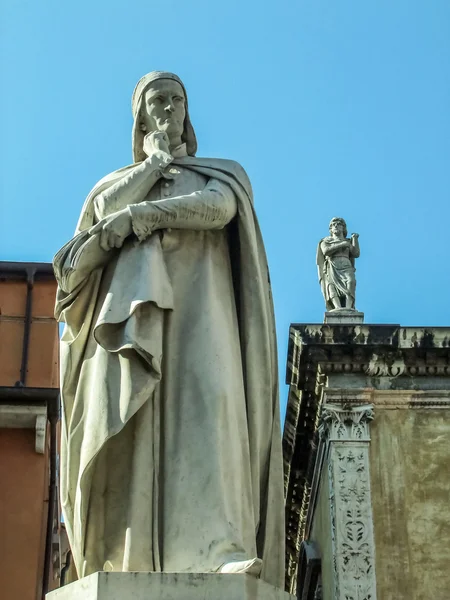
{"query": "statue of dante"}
(171, 445)
(336, 266)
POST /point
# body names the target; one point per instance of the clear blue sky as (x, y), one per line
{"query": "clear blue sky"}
(334, 107)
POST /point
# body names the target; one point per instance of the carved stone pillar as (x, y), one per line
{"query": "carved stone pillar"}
(346, 431)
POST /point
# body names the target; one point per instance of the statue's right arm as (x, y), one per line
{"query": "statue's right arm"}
(77, 259)
(133, 187)
(211, 208)
(83, 254)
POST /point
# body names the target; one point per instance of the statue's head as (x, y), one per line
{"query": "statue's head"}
(159, 103)
(338, 226)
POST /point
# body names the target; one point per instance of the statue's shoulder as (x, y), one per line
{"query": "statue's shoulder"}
(223, 164)
(226, 163)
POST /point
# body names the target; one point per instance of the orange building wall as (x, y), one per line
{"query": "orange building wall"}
(23, 515)
(42, 368)
(24, 474)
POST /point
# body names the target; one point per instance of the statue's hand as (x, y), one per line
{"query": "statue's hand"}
(355, 236)
(116, 229)
(155, 142)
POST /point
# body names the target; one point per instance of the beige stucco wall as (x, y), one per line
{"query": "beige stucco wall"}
(410, 474)
(321, 533)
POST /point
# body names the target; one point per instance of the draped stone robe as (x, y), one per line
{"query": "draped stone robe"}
(171, 456)
(336, 270)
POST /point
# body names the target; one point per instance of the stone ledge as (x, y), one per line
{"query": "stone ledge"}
(392, 335)
(168, 586)
(14, 416)
(389, 399)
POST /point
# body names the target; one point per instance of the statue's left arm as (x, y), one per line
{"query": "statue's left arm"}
(211, 208)
(354, 246)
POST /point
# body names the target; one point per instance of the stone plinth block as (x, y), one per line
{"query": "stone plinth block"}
(168, 586)
(344, 316)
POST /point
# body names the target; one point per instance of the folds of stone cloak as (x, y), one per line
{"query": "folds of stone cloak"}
(339, 278)
(120, 312)
(137, 288)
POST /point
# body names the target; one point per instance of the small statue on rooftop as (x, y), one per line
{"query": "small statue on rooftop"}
(336, 265)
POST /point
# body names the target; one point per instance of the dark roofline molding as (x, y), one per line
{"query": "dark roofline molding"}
(22, 270)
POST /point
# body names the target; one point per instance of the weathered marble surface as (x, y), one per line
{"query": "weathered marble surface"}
(171, 444)
(336, 266)
(168, 586)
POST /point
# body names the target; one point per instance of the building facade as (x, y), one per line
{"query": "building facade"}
(367, 458)
(29, 414)
(366, 452)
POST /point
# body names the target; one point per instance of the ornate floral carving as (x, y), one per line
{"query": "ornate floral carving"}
(387, 363)
(350, 502)
(347, 423)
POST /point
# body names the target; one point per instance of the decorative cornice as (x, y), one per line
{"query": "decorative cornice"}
(374, 350)
(389, 399)
(375, 367)
(382, 363)
(393, 336)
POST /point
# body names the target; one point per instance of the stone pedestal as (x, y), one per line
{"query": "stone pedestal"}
(344, 316)
(168, 586)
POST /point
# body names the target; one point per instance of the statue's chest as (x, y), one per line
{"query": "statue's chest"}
(179, 182)
(341, 261)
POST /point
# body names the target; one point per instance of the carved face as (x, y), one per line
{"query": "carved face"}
(337, 228)
(164, 108)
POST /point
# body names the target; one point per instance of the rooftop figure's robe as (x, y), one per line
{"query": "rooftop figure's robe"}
(336, 270)
(171, 445)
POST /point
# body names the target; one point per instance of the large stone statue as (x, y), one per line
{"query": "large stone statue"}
(336, 265)
(171, 446)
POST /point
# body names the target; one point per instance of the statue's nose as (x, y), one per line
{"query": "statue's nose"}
(169, 107)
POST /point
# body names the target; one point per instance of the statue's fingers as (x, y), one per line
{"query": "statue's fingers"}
(104, 239)
(118, 243)
(112, 239)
